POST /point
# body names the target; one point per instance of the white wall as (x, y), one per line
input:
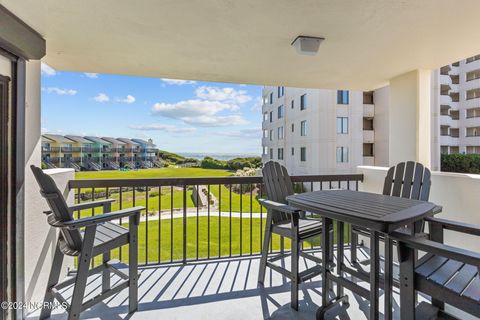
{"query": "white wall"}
(39, 236)
(410, 117)
(381, 99)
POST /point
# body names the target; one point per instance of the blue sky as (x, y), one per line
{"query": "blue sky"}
(179, 115)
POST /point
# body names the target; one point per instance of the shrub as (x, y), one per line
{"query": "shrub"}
(211, 163)
(462, 163)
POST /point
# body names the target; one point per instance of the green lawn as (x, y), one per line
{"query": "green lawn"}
(152, 173)
(223, 196)
(249, 226)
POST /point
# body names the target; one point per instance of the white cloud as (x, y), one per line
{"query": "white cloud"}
(60, 92)
(44, 130)
(251, 133)
(129, 99)
(162, 127)
(101, 97)
(199, 112)
(257, 105)
(178, 82)
(46, 70)
(91, 75)
(229, 95)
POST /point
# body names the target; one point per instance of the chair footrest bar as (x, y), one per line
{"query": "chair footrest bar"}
(112, 265)
(310, 273)
(57, 295)
(355, 288)
(310, 257)
(104, 295)
(281, 270)
(278, 257)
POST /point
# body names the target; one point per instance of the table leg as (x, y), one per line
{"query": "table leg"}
(388, 277)
(374, 274)
(327, 244)
(340, 255)
(325, 260)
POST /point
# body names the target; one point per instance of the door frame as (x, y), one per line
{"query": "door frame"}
(18, 43)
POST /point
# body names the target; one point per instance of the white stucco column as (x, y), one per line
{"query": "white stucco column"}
(410, 118)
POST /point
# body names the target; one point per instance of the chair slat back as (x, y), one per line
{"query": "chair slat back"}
(408, 180)
(278, 186)
(58, 206)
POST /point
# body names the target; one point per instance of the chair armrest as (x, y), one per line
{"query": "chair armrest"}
(86, 205)
(272, 205)
(462, 227)
(90, 204)
(455, 253)
(88, 221)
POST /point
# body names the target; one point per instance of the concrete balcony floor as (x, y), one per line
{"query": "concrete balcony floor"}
(220, 289)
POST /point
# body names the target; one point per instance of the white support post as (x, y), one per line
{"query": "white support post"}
(410, 118)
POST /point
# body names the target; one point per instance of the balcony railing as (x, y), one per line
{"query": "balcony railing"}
(190, 219)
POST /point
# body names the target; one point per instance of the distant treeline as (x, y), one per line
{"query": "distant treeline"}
(170, 158)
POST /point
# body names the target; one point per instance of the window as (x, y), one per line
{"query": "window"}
(271, 135)
(342, 97)
(271, 116)
(293, 127)
(280, 91)
(303, 102)
(303, 128)
(265, 150)
(265, 133)
(342, 154)
(303, 154)
(280, 153)
(280, 112)
(293, 151)
(280, 133)
(342, 125)
(271, 153)
(271, 97)
(265, 116)
(292, 104)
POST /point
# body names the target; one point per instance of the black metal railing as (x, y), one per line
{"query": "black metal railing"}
(190, 219)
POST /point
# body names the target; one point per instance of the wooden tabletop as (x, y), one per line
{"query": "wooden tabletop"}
(369, 210)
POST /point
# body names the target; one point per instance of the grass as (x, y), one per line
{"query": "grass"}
(221, 193)
(219, 241)
(152, 173)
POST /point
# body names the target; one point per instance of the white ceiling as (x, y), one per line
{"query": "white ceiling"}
(248, 41)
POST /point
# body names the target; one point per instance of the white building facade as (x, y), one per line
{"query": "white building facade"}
(458, 89)
(319, 131)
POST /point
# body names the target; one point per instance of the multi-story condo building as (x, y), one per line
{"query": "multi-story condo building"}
(95, 153)
(457, 89)
(318, 131)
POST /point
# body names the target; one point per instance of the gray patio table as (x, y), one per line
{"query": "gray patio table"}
(379, 214)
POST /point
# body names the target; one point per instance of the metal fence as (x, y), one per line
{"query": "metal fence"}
(178, 226)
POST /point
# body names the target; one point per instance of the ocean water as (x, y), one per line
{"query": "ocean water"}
(219, 156)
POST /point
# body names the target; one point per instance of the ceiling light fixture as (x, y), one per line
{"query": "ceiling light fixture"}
(307, 45)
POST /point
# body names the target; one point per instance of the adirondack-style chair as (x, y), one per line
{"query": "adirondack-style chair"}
(287, 222)
(446, 273)
(407, 180)
(86, 238)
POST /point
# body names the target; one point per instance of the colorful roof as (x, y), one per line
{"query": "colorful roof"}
(57, 138)
(78, 139)
(98, 140)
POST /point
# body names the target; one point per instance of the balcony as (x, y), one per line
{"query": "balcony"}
(368, 136)
(368, 160)
(445, 120)
(70, 149)
(368, 110)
